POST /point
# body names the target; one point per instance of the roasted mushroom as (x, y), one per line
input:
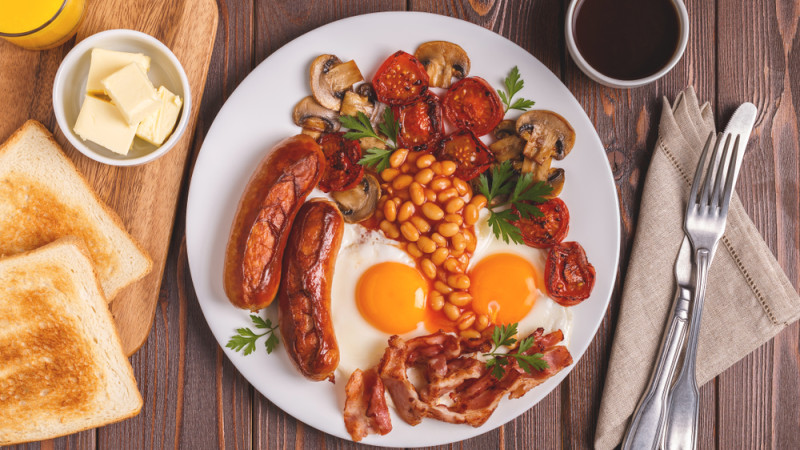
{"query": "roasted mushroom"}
(359, 203)
(314, 117)
(330, 78)
(555, 179)
(354, 103)
(443, 60)
(505, 129)
(547, 135)
(508, 148)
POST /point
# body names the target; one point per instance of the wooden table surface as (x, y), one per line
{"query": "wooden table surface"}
(738, 51)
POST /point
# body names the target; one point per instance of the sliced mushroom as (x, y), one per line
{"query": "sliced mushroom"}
(505, 129)
(555, 179)
(359, 203)
(330, 78)
(443, 60)
(548, 135)
(368, 91)
(312, 116)
(354, 103)
(508, 148)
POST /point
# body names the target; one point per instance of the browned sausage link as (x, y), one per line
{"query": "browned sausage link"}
(271, 199)
(304, 298)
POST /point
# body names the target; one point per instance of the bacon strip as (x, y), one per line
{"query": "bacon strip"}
(365, 410)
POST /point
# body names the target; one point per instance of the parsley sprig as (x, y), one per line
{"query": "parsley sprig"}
(360, 127)
(521, 193)
(246, 338)
(503, 336)
(513, 84)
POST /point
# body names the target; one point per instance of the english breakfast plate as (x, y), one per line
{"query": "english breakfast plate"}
(258, 115)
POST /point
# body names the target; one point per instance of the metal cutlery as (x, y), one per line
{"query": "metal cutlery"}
(646, 429)
(704, 224)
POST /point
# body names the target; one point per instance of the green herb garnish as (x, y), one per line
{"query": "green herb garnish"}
(376, 158)
(514, 84)
(521, 193)
(503, 336)
(246, 338)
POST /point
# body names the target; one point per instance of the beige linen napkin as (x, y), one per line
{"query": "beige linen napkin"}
(748, 301)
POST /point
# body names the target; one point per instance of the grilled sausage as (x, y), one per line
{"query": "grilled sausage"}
(304, 298)
(271, 199)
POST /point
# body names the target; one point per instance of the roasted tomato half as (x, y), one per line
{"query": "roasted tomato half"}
(400, 80)
(343, 171)
(472, 104)
(568, 276)
(548, 230)
(421, 124)
(471, 155)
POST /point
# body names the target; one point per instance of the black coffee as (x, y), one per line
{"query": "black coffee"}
(626, 39)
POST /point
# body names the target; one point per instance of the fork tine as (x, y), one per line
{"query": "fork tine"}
(721, 170)
(699, 172)
(731, 178)
(711, 171)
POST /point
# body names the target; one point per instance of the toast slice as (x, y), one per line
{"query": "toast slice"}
(62, 369)
(43, 198)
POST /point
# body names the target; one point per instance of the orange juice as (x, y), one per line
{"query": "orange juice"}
(39, 24)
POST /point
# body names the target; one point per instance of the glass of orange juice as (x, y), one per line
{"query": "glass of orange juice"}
(40, 24)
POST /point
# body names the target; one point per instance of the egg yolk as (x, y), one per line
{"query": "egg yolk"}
(391, 297)
(503, 287)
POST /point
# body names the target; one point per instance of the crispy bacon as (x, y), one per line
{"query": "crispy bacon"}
(473, 390)
(459, 388)
(365, 410)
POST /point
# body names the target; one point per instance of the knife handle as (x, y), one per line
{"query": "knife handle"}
(684, 398)
(648, 421)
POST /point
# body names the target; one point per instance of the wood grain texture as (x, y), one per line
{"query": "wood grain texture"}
(145, 197)
(737, 51)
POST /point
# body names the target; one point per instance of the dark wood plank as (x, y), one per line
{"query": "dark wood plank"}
(627, 123)
(757, 61)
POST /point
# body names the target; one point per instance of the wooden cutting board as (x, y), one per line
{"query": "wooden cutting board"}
(146, 196)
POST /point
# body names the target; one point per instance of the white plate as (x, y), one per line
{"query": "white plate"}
(258, 115)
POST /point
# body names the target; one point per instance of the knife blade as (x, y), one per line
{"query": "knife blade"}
(650, 415)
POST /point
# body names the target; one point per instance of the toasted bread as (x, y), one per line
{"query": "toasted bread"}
(62, 369)
(43, 198)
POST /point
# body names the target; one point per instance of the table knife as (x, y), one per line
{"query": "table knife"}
(649, 417)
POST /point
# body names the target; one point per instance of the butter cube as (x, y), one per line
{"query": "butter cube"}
(105, 62)
(156, 127)
(132, 92)
(101, 122)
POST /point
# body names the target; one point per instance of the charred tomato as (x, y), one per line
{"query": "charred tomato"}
(549, 229)
(569, 278)
(421, 124)
(343, 171)
(472, 104)
(400, 80)
(469, 153)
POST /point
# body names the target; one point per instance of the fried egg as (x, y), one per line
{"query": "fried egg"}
(377, 291)
(508, 284)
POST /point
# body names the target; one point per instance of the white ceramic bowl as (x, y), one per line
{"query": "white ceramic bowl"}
(683, 21)
(69, 91)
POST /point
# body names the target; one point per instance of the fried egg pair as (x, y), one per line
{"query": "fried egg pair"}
(377, 291)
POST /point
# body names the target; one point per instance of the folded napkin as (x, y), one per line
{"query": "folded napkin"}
(748, 300)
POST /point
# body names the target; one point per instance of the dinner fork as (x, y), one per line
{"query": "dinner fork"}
(704, 224)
